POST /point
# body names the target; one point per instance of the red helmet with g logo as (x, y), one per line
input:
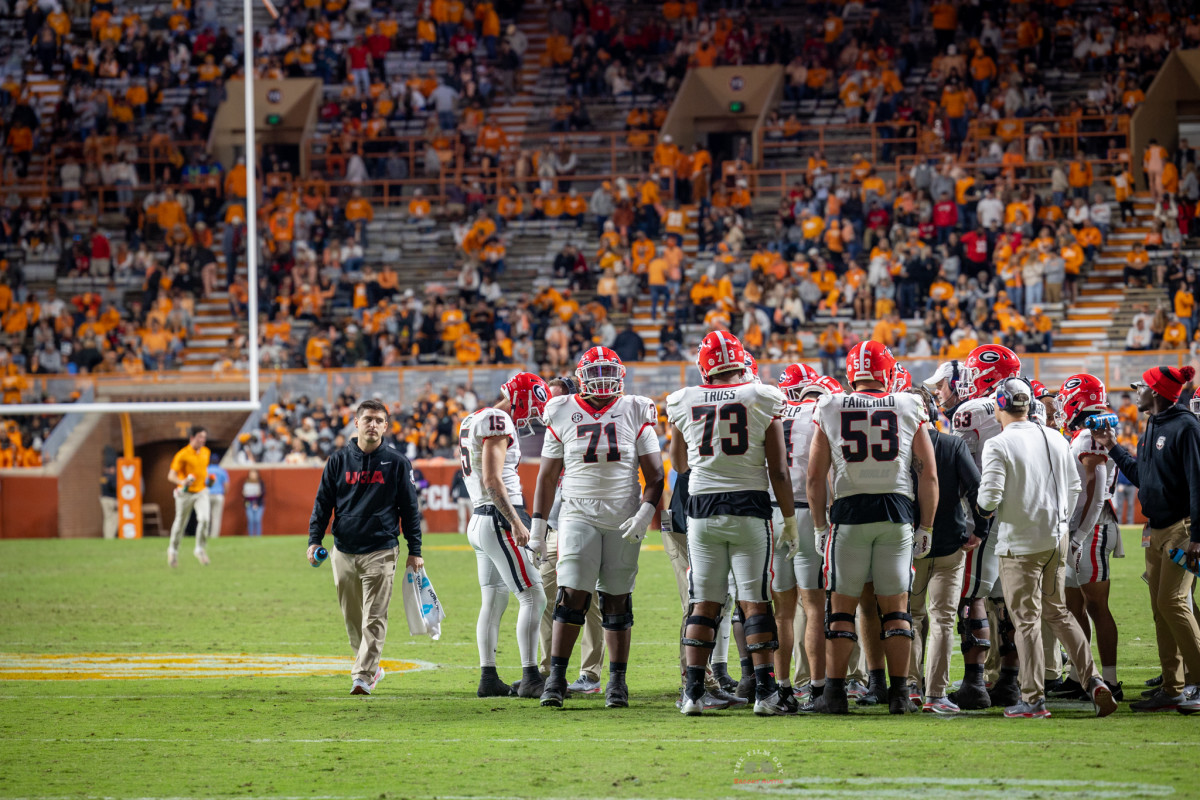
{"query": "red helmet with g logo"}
(901, 380)
(793, 380)
(870, 361)
(601, 373)
(985, 367)
(1079, 393)
(527, 395)
(820, 387)
(720, 353)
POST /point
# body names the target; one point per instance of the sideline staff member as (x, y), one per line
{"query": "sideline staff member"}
(368, 487)
(1167, 474)
(189, 472)
(1031, 484)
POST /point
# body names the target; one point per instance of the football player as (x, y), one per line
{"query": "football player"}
(1095, 534)
(800, 571)
(873, 442)
(728, 432)
(597, 441)
(498, 531)
(974, 420)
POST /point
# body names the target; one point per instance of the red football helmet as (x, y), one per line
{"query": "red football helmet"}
(1079, 393)
(752, 366)
(820, 387)
(720, 352)
(901, 380)
(793, 380)
(601, 373)
(1039, 389)
(985, 367)
(870, 361)
(527, 395)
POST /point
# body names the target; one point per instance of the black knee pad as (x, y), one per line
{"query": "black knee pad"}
(708, 622)
(832, 617)
(760, 624)
(903, 616)
(1007, 629)
(613, 621)
(567, 615)
(969, 640)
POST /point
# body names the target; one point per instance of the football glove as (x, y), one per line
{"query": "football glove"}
(634, 528)
(922, 542)
(1101, 421)
(537, 541)
(790, 538)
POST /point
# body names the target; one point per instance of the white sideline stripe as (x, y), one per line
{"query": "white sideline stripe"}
(518, 740)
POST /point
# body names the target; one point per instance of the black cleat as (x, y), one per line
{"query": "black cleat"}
(832, 702)
(727, 697)
(531, 686)
(971, 697)
(788, 699)
(616, 693)
(1005, 692)
(493, 686)
(900, 703)
(720, 672)
(877, 694)
(1155, 682)
(554, 691)
(1117, 692)
(747, 687)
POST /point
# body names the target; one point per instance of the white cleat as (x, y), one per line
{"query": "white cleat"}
(201, 556)
(172, 558)
(692, 708)
(772, 705)
(360, 687)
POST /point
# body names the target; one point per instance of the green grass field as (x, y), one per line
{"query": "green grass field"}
(425, 734)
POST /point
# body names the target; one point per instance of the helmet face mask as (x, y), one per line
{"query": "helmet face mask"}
(986, 367)
(1079, 394)
(601, 374)
(527, 395)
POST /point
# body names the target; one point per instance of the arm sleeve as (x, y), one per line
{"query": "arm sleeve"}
(323, 504)
(1126, 463)
(408, 507)
(991, 485)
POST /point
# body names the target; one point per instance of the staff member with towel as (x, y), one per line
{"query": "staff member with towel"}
(1167, 474)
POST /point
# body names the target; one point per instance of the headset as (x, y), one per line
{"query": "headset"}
(1008, 398)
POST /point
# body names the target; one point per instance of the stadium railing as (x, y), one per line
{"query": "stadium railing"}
(405, 385)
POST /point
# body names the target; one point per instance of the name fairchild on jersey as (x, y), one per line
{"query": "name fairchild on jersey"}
(858, 401)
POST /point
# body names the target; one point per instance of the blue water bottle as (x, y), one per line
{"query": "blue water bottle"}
(320, 556)
(1179, 556)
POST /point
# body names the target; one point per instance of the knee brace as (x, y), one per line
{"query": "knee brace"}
(832, 617)
(708, 622)
(567, 615)
(615, 622)
(969, 639)
(760, 624)
(887, 633)
(1007, 629)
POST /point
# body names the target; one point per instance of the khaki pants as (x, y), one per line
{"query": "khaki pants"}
(1054, 292)
(185, 503)
(108, 507)
(592, 638)
(675, 546)
(1175, 625)
(364, 590)
(1033, 591)
(216, 507)
(936, 587)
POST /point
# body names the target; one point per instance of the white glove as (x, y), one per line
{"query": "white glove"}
(634, 528)
(537, 541)
(922, 542)
(790, 538)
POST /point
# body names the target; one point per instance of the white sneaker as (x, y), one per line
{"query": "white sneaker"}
(584, 685)
(172, 558)
(378, 677)
(771, 706)
(360, 687)
(692, 708)
(201, 556)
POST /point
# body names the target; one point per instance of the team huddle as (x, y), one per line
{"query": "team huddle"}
(809, 500)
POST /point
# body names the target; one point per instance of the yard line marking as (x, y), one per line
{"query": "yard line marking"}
(158, 666)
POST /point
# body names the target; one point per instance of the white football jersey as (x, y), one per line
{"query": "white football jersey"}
(600, 447)
(484, 424)
(798, 430)
(870, 438)
(1083, 445)
(975, 422)
(725, 428)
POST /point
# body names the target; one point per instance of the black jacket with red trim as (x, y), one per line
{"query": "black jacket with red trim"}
(371, 496)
